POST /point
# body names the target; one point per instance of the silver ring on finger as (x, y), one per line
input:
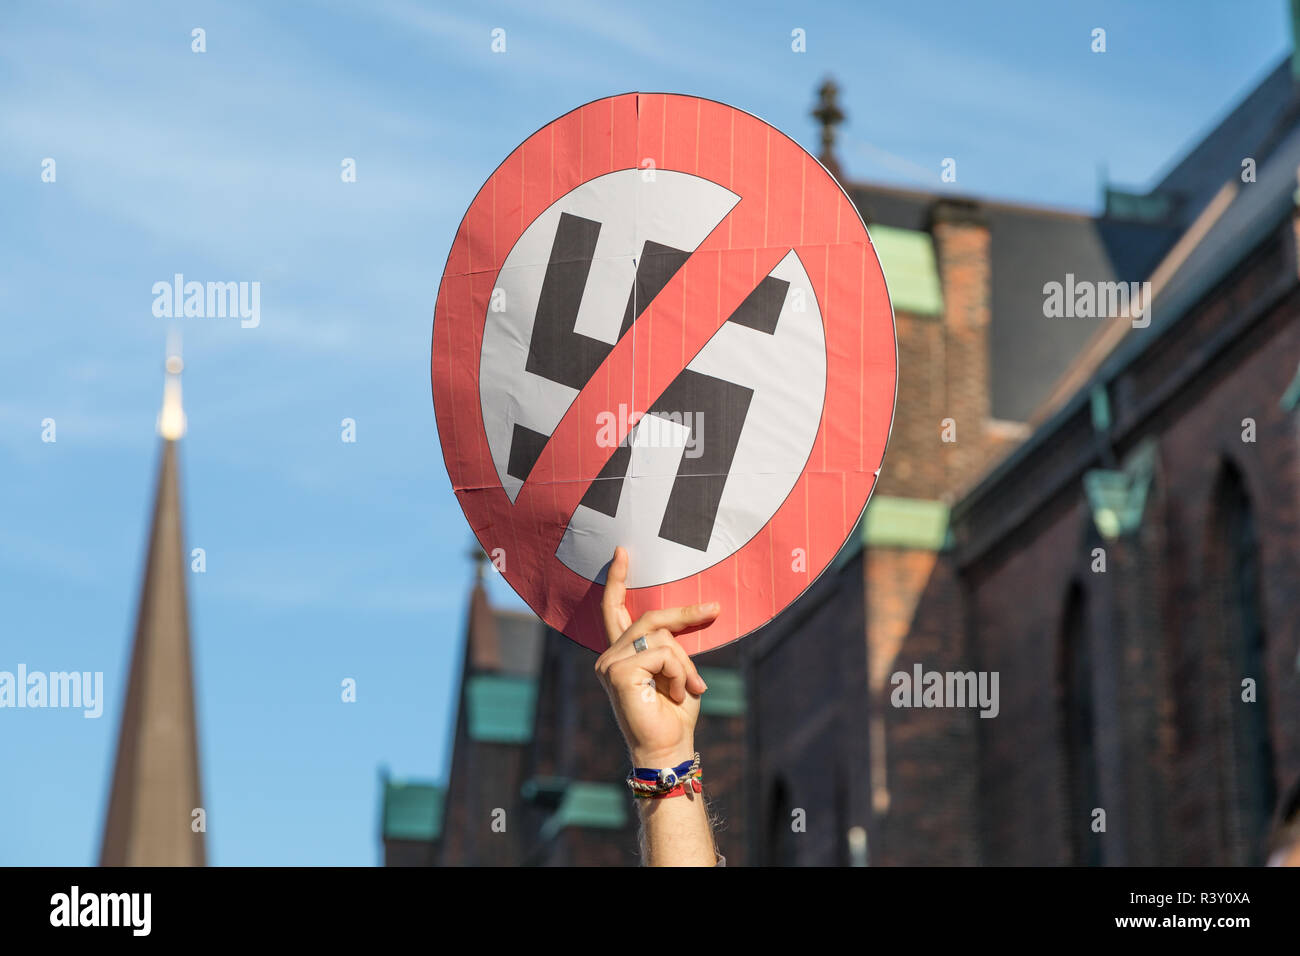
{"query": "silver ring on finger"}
(640, 644)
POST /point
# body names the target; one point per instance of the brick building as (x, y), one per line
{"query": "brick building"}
(1101, 512)
(1176, 462)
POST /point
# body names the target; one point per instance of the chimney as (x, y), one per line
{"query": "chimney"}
(961, 243)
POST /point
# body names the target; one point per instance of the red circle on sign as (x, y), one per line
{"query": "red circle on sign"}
(787, 202)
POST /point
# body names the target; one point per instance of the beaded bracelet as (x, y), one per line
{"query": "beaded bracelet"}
(670, 781)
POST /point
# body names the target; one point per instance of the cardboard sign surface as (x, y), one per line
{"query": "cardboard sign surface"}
(662, 325)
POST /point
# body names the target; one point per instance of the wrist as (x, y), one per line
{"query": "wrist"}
(657, 759)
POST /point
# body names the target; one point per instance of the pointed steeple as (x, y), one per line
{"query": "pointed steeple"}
(156, 790)
(484, 643)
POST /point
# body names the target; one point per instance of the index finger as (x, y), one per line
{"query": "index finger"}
(673, 618)
(615, 594)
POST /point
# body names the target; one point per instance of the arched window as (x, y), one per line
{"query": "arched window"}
(1078, 731)
(1246, 775)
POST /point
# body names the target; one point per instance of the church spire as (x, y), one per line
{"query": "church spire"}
(152, 818)
(171, 420)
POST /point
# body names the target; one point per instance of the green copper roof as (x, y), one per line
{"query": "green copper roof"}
(500, 708)
(601, 806)
(907, 258)
(726, 694)
(1140, 207)
(412, 811)
(905, 523)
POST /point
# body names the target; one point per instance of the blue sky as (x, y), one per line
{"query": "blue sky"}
(328, 560)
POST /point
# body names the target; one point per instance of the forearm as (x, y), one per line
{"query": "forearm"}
(675, 831)
(655, 689)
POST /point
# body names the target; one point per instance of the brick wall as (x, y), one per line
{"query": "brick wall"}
(914, 465)
(806, 672)
(1207, 432)
(1015, 622)
(961, 241)
(922, 770)
(923, 761)
(1161, 660)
